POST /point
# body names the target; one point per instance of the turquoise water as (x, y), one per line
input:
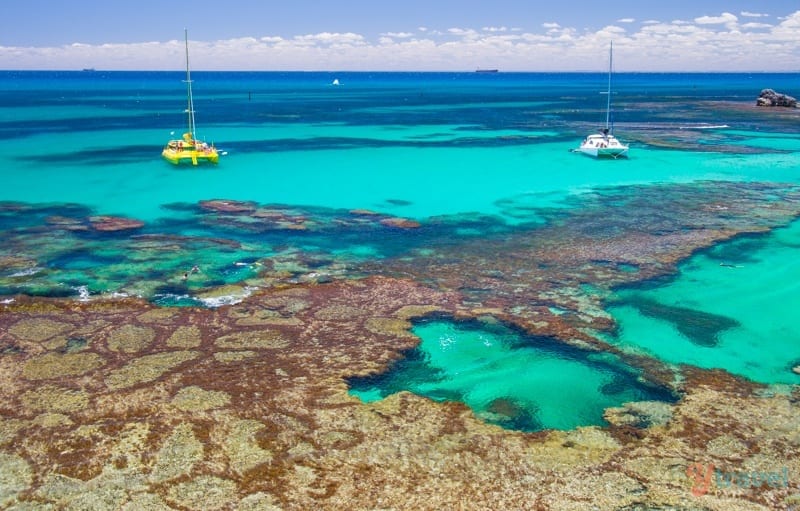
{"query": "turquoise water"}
(507, 379)
(292, 137)
(732, 307)
(466, 155)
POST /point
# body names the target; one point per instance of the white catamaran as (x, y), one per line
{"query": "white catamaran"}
(189, 149)
(604, 144)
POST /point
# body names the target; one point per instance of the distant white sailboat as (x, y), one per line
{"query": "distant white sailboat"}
(335, 81)
(605, 144)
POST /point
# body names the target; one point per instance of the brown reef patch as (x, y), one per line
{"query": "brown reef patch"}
(114, 224)
(146, 368)
(130, 339)
(188, 336)
(227, 206)
(193, 399)
(37, 329)
(57, 365)
(400, 223)
(55, 399)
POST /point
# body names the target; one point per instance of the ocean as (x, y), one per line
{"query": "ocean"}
(330, 181)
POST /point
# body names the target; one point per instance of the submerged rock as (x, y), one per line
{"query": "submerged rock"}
(68, 223)
(364, 212)
(400, 223)
(113, 223)
(227, 206)
(769, 97)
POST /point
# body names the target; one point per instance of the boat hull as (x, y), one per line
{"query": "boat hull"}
(603, 146)
(190, 156)
(608, 152)
(189, 150)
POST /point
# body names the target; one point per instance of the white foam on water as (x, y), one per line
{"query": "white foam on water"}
(231, 299)
(27, 272)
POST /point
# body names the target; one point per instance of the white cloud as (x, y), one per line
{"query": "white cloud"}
(466, 33)
(707, 43)
(331, 38)
(789, 27)
(398, 35)
(724, 18)
(626, 20)
(756, 25)
(611, 32)
(747, 14)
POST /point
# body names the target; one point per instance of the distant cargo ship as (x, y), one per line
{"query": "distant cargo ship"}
(486, 70)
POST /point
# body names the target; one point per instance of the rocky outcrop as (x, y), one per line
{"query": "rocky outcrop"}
(769, 97)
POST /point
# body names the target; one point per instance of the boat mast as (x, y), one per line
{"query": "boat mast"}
(190, 105)
(608, 98)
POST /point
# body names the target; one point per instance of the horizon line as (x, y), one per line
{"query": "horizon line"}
(471, 71)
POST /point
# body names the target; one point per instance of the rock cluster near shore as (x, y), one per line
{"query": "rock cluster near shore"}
(769, 97)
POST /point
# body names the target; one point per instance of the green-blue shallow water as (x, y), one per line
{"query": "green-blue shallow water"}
(514, 381)
(732, 307)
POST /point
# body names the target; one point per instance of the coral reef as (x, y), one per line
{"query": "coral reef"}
(555, 279)
(119, 404)
(113, 224)
(180, 429)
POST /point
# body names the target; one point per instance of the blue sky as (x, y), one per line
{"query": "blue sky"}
(677, 35)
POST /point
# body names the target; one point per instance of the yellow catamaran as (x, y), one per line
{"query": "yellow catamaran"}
(189, 149)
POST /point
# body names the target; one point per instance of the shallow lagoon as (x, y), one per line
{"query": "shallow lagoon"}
(509, 379)
(733, 307)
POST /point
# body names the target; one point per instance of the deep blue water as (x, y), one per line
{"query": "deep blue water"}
(146, 100)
